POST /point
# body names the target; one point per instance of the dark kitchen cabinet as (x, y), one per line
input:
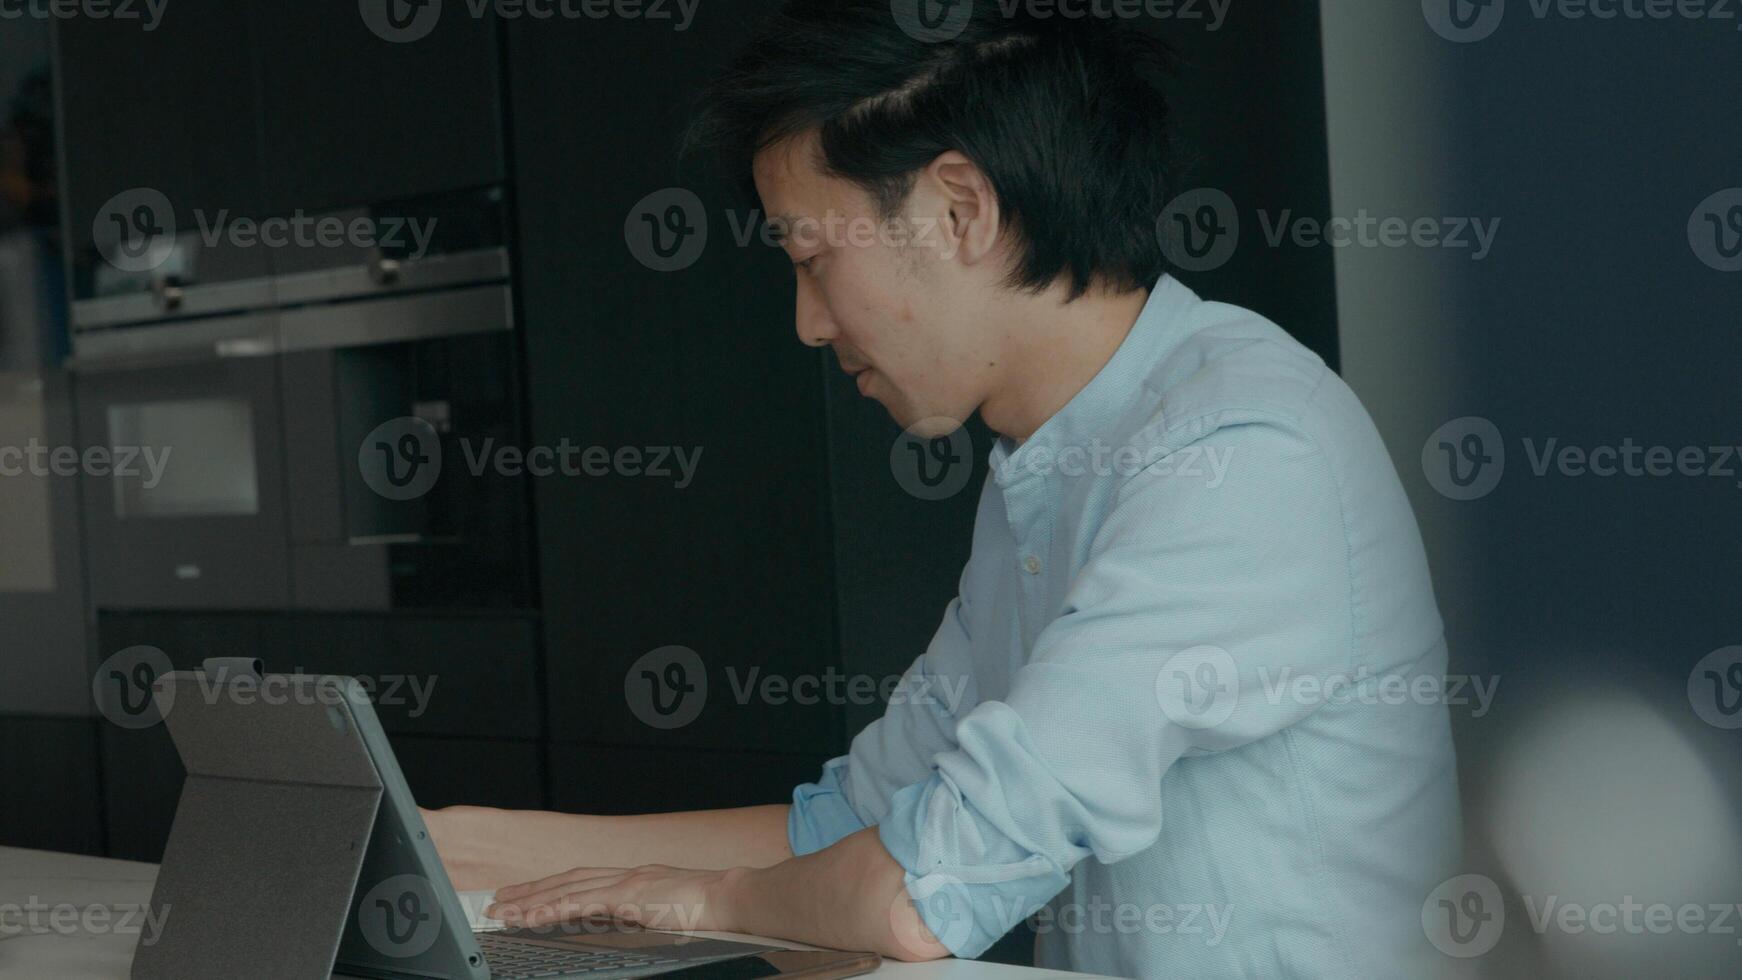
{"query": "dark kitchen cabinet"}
(735, 564)
(49, 766)
(350, 117)
(631, 779)
(252, 108)
(172, 109)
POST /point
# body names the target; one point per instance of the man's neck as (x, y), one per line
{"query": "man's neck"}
(1053, 350)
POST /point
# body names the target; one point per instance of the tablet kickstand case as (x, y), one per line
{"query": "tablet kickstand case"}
(270, 834)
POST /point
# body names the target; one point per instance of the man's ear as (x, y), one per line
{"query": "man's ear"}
(969, 209)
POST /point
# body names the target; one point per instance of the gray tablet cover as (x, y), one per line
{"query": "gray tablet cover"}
(271, 830)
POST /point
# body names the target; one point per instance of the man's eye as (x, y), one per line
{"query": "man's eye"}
(806, 264)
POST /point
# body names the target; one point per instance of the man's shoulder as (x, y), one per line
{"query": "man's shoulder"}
(1232, 367)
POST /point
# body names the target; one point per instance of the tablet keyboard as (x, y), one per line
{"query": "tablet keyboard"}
(512, 959)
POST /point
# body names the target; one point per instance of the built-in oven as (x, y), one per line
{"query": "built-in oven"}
(303, 441)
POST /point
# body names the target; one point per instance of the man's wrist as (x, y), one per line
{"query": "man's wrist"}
(728, 897)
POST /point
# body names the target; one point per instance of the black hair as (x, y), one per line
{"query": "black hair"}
(1063, 115)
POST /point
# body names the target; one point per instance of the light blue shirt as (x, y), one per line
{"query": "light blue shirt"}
(1184, 709)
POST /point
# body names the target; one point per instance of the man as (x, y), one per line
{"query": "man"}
(1195, 584)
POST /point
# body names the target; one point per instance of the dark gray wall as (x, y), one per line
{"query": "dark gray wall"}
(1589, 600)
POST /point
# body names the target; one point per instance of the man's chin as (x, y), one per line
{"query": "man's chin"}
(926, 426)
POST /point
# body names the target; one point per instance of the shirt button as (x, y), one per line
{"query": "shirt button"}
(1031, 565)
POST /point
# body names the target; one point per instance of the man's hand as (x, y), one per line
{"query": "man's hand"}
(851, 895)
(654, 896)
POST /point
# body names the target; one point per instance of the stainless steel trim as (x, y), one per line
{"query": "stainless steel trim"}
(363, 281)
(126, 347)
(264, 292)
(478, 309)
(238, 295)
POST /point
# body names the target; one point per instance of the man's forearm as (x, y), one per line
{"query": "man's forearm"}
(851, 895)
(488, 848)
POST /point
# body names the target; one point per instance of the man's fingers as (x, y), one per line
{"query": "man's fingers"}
(519, 905)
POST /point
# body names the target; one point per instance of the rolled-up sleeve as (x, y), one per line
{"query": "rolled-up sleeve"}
(1197, 605)
(897, 750)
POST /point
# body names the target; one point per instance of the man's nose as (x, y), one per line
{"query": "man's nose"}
(815, 328)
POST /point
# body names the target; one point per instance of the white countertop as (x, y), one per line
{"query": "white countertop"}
(70, 882)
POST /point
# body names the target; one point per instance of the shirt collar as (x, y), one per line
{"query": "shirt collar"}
(1108, 395)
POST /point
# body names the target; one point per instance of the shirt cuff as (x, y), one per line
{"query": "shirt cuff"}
(967, 901)
(821, 813)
